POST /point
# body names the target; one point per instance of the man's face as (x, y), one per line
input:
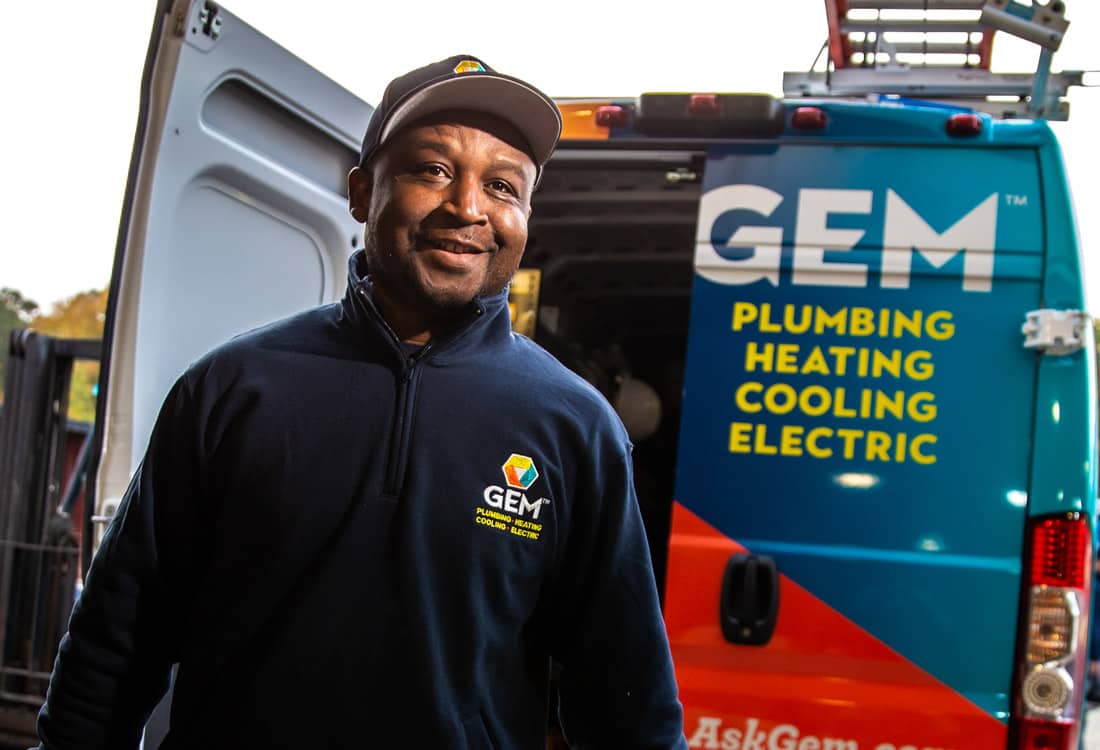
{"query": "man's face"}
(446, 203)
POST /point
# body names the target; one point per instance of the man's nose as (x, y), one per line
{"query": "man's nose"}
(466, 200)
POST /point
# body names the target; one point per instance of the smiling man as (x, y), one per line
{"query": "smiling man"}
(384, 522)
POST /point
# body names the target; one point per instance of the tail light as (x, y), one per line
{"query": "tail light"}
(963, 125)
(611, 116)
(1050, 685)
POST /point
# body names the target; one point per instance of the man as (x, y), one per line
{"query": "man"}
(380, 522)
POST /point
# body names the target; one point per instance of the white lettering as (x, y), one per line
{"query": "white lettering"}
(783, 737)
(511, 500)
(706, 734)
(754, 740)
(526, 505)
(765, 242)
(813, 237)
(494, 496)
(972, 235)
(905, 233)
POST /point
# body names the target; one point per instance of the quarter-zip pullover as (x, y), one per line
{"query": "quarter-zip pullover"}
(345, 546)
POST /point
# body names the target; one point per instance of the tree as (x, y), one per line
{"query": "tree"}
(16, 311)
(78, 317)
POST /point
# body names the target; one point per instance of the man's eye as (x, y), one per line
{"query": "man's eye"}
(434, 170)
(501, 187)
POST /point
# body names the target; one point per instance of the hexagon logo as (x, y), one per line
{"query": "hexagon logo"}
(519, 471)
(469, 66)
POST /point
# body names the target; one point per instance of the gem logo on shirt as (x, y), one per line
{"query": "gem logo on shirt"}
(509, 510)
(520, 471)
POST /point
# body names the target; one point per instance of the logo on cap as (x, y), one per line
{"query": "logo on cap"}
(469, 66)
(520, 471)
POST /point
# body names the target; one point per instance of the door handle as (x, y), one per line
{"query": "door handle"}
(749, 600)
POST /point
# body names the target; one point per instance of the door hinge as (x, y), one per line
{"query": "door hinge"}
(1056, 332)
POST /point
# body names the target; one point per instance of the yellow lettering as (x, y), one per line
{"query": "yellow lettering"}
(915, 449)
(790, 440)
(837, 321)
(841, 409)
(815, 363)
(940, 326)
(807, 398)
(740, 397)
(755, 357)
(918, 365)
(878, 446)
(743, 314)
(780, 399)
(861, 321)
(884, 403)
(904, 324)
(766, 324)
(849, 437)
(886, 363)
(922, 406)
(760, 442)
(811, 442)
(842, 353)
(803, 324)
(739, 437)
(786, 359)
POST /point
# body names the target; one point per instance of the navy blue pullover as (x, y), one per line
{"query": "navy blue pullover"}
(344, 546)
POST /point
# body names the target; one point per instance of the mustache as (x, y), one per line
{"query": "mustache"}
(455, 242)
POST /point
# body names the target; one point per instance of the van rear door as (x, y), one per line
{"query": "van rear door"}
(845, 561)
(235, 212)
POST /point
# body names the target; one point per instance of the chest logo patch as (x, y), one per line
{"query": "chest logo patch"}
(520, 471)
(509, 510)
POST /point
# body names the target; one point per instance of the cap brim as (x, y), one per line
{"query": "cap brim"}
(536, 117)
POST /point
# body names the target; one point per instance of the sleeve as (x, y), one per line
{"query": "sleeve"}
(124, 632)
(616, 684)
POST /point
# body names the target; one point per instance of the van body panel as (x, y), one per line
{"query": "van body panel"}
(923, 255)
(820, 676)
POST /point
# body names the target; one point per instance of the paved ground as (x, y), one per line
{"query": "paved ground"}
(1092, 730)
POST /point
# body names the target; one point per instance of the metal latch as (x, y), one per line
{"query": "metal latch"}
(1056, 331)
(210, 20)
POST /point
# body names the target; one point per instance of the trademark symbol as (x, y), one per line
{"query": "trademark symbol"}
(1015, 200)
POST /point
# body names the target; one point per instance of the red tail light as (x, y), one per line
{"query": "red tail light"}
(1043, 735)
(611, 116)
(1050, 682)
(704, 105)
(964, 125)
(808, 118)
(1060, 553)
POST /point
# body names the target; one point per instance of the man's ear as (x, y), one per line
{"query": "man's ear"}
(359, 189)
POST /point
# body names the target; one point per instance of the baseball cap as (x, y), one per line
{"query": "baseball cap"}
(465, 82)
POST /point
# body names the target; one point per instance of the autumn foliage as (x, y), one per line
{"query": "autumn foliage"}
(78, 317)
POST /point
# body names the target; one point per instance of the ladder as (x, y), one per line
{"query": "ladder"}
(940, 50)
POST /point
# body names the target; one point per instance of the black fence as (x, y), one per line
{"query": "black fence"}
(40, 542)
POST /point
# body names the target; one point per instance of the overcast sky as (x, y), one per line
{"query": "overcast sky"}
(72, 73)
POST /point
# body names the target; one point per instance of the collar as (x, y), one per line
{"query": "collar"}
(486, 320)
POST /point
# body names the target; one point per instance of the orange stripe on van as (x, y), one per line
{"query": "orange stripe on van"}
(820, 676)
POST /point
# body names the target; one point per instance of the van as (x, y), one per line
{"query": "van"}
(847, 337)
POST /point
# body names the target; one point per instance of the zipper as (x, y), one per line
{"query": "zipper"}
(401, 431)
(407, 380)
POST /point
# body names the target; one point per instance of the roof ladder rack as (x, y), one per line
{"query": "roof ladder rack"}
(940, 50)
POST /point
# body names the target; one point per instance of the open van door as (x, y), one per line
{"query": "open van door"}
(235, 213)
